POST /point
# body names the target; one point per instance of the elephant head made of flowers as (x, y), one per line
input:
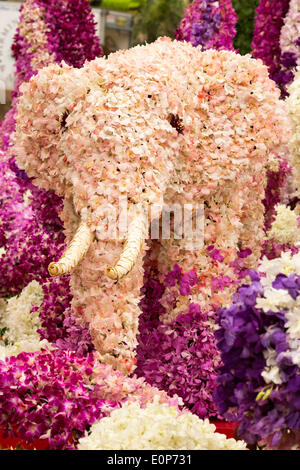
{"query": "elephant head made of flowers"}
(158, 124)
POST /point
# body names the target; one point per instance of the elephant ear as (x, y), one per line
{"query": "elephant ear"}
(43, 108)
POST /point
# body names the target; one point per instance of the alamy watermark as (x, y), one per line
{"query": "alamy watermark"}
(182, 223)
(2, 92)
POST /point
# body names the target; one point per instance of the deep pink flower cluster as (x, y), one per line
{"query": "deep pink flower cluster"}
(210, 24)
(59, 325)
(276, 181)
(276, 185)
(266, 38)
(72, 31)
(30, 232)
(180, 357)
(55, 395)
(271, 249)
(290, 44)
(49, 394)
(266, 46)
(71, 37)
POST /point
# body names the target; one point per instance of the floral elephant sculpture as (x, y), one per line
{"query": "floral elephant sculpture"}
(158, 124)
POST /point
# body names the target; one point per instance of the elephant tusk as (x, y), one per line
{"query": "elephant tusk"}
(74, 253)
(136, 235)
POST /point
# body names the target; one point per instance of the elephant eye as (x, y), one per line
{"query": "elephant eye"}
(177, 123)
(63, 122)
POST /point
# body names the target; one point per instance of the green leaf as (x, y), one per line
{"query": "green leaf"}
(157, 18)
(245, 10)
(122, 5)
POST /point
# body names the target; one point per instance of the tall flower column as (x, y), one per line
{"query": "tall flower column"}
(266, 38)
(48, 32)
(290, 44)
(208, 23)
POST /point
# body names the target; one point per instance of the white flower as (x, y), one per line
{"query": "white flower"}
(285, 226)
(21, 325)
(278, 299)
(290, 31)
(273, 163)
(271, 373)
(294, 352)
(275, 300)
(19, 321)
(155, 427)
(27, 198)
(293, 320)
(286, 264)
(28, 345)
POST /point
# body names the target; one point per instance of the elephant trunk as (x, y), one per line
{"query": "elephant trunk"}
(136, 235)
(74, 253)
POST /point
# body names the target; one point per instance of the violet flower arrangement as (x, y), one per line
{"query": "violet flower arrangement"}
(259, 342)
(208, 23)
(290, 44)
(269, 21)
(181, 356)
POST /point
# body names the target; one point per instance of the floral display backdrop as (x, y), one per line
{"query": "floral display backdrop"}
(40, 335)
(214, 336)
(209, 24)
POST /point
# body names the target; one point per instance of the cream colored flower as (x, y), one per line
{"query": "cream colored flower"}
(285, 228)
(21, 325)
(155, 427)
(275, 300)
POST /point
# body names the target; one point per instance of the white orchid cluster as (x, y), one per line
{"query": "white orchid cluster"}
(154, 427)
(19, 325)
(276, 300)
